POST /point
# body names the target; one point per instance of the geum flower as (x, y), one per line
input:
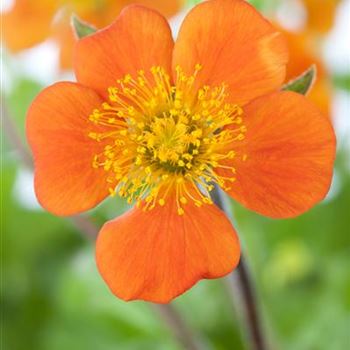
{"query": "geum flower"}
(29, 22)
(160, 124)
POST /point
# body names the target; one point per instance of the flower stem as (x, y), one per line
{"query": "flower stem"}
(89, 229)
(245, 287)
(178, 327)
(256, 333)
(14, 137)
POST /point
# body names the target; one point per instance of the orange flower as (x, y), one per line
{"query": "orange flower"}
(302, 56)
(320, 14)
(159, 124)
(29, 22)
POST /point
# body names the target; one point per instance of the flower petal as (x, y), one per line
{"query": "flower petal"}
(320, 21)
(27, 23)
(235, 45)
(139, 39)
(157, 255)
(167, 8)
(63, 34)
(302, 56)
(57, 131)
(290, 150)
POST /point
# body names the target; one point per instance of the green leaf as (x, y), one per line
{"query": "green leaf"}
(303, 83)
(81, 28)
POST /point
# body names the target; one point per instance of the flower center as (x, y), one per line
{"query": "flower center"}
(164, 141)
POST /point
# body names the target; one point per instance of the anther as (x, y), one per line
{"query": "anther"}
(160, 137)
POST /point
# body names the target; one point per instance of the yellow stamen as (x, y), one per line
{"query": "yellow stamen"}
(160, 139)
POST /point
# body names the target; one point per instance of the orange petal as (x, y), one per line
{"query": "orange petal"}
(167, 8)
(99, 16)
(158, 255)
(235, 45)
(27, 23)
(302, 54)
(290, 150)
(321, 94)
(66, 51)
(303, 51)
(139, 39)
(64, 36)
(57, 131)
(320, 21)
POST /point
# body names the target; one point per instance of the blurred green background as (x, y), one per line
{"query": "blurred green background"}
(53, 298)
